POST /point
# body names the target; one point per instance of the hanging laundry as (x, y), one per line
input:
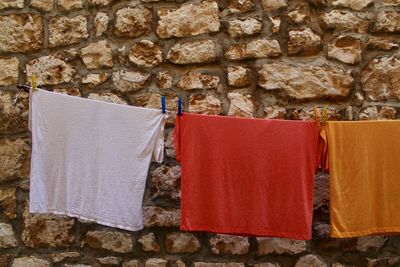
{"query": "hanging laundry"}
(363, 162)
(246, 176)
(90, 158)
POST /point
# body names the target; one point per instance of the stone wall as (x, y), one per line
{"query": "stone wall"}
(250, 58)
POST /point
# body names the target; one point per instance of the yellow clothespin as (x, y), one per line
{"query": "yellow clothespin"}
(324, 116)
(33, 82)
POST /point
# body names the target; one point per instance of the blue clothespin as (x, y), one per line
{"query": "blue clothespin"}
(180, 106)
(163, 104)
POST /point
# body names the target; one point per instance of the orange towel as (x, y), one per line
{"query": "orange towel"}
(364, 166)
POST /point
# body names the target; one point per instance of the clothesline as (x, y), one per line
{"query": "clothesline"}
(317, 116)
(89, 157)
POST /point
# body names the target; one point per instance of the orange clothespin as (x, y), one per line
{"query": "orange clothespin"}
(33, 82)
(317, 114)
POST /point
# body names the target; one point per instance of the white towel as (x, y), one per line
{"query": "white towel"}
(90, 158)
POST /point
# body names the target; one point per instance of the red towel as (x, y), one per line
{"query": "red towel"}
(246, 176)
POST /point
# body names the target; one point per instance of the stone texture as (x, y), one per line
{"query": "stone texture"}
(229, 245)
(107, 97)
(267, 264)
(260, 48)
(97, 55)
(121, 54)
(101, 23)
(305, 82)
(166, 182)
(101, 3)
(299, 14)
(154, 262)
(13, 116)
(181, 243)
(20, 33)
(369, 113)
(340, 20)
(195, 80)
(387, 113)
(384, 259)
(5, 259)
(205, 104)
(7, 238)
(346, 49)
(109, 240)
(390, 3)
(95, 78)
(162, 217)
(164, 79)
(381, 79)
(241, 104)
(76, 265)
(68, 5)
(275, 245)
(310, 260)
(60, 256)
(66, 31)
(149, 243)
(353, 4)
(8, 202)
(240, 6)
(188, 20)
(126, 81)
(45, 5)
(370, 243)
(131, 263)
(239, 76)
(68, 91)
(14, 158)
(272, 5)
(192, 52)
(133, 21)
(219, 264)
(381, 44)
(30, 261)
(244, 26)
(50, 70)
(9, 71)
(388, 22)
(321, 191)
(42, 230)
(11, 4)
(275, 112)
(275, 24)
(169, 143)
(109, 261)
(146, 54)
(304, 42)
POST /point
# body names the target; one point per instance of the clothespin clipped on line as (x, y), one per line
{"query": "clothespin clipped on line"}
(180, 106)
(163, 104)
(33, 82)
(324, 116)
(317, 115)
(26, 88)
